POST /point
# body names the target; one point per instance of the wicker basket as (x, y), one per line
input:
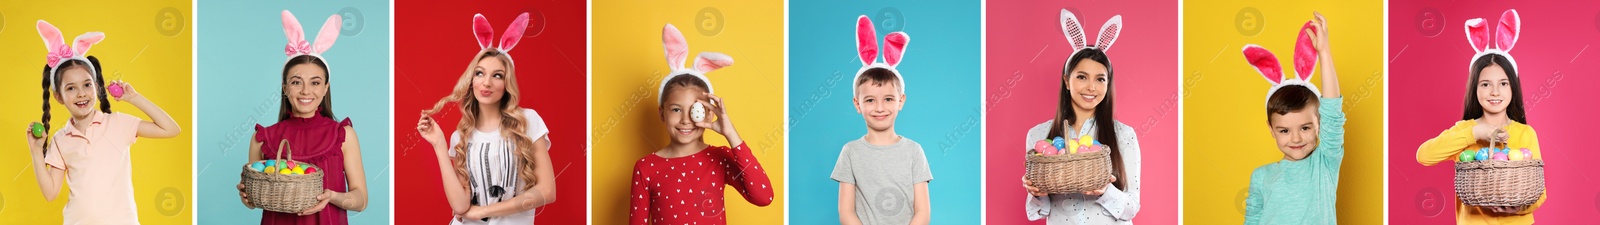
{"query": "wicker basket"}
(1069, 173)
(286, 193)
(1500, 183)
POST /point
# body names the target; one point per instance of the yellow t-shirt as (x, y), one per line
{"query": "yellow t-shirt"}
(1449, 145)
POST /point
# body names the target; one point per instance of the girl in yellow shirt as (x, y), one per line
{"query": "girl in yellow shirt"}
(1493, 114)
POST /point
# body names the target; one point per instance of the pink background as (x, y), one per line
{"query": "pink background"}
(1026, 51)
(1428, 76)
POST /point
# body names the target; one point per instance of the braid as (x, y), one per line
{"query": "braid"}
(45, 118)
(100, 84)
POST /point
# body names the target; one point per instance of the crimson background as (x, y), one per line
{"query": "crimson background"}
(433, 44)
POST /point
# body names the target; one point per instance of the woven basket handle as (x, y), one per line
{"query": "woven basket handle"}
(283, 146)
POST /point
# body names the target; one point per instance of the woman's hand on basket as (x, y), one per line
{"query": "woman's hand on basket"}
(245, 198)
(1102, 191)
(1032, 190)
(322, 202)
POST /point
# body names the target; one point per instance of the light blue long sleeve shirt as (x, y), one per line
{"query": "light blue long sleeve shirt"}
(1304, 191)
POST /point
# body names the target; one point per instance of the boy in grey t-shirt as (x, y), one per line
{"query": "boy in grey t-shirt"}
(883, 177)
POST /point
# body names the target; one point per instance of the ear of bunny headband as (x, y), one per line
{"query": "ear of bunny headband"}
(485, 33)
(677, 52)
(1505, 35)
(298, 45)
(58, 51)
(893, 49)
(1305, 59)
(1073, 29)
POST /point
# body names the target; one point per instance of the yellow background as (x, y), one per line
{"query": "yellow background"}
(628, 68)
(157, 66)
(1225, 131)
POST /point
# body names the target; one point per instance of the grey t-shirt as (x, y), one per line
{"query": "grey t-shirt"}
(884, 177)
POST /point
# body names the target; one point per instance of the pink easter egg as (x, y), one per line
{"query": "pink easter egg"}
(1526, 154)
(1044, 147)
(1500, 156)
(1083, 149)
(115, 90)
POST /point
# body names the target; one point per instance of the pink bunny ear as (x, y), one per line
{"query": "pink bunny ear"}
(328, 34)
(292, 29)
(866, 40)
(1073, 29)
(1264, 62)
(1109, 33)
(1477, 34)
(81, 44)
(482, 30)
(677, 48)
(514, 33)
(895, 47)
(51, 35)
(708, 61)
(1505, 34)
(1305, 52)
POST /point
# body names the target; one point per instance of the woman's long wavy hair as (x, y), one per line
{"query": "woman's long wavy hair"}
(512, 127)
(1105, 122)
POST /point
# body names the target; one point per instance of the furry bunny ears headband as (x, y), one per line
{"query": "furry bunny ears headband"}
(58, 51)
(678, 51)
(1505, 36)
(1305, 58)
(485, 33)
(298, 45)
(1073, 28)
(867, 47)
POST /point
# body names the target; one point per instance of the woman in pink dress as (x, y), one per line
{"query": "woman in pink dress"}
(305, 119)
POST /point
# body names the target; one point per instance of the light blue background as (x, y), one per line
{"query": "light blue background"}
(240, 60)
(941, 67)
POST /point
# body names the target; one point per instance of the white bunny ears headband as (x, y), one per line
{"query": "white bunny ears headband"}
(1305, 58)
(678, 51)
(894, 49)
(59, 52)
(485, 34)
(1073, 28)
(298, 45)
(1505, 36)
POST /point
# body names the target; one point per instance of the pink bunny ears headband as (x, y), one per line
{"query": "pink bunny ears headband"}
(1073, 28)
(678, 51)
(1505, 36)
(58, 51)
(485, 33)
(298, 45)
(1305, 58)
(867, 47)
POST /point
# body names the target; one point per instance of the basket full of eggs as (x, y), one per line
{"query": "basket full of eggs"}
(282, 185)
(1062, 166)
(1499, 177)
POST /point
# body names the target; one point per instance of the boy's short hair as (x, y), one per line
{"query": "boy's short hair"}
(1289, 99)
(879, 77)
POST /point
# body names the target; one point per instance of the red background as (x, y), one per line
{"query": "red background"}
(433, 44)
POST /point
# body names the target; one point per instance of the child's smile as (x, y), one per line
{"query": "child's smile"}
(1295, 132)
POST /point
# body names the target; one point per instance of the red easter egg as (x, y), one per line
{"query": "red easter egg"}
(310, 170)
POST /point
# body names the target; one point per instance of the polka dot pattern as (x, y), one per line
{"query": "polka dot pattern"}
(689, 189)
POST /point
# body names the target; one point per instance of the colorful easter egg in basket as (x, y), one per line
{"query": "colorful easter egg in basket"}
(1059, 142)
(1526, 154)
